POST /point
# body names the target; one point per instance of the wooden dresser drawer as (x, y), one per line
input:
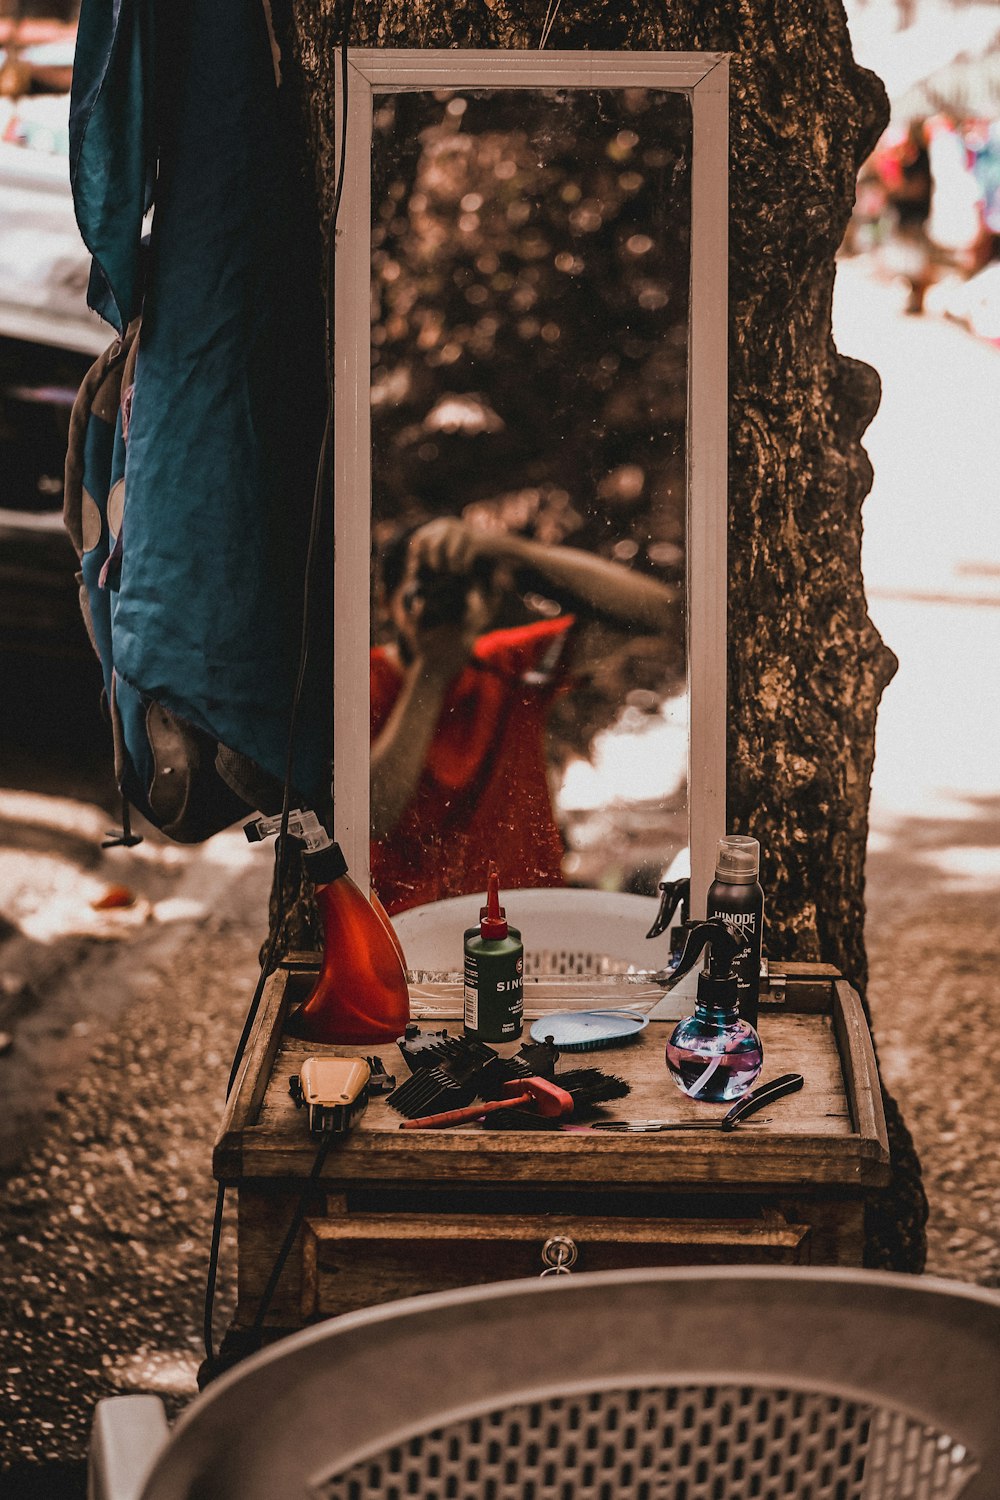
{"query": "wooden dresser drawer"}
(358, 1260)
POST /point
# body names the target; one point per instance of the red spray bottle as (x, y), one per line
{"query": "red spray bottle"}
(360, 995)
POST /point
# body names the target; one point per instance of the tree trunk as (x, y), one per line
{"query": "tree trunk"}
(806, 665)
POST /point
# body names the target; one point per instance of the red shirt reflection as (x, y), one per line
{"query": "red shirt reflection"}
(484, 791)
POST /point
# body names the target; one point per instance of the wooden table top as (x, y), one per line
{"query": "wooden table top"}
(831, 1132)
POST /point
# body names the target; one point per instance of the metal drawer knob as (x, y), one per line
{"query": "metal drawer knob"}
(558, 1255)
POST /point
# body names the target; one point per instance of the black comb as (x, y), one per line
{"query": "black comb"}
(428, 1092)
(421, 1049)
(449, 1083)
(533, 1060)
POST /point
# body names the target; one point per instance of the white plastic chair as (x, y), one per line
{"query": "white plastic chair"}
(565, 931)
(681, 1384)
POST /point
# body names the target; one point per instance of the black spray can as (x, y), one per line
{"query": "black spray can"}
(736, 895)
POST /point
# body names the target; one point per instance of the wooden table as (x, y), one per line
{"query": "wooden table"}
(399, 1212)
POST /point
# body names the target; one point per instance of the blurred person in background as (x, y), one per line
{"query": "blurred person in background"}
(957, 224)
(459, 709)
(909, 198)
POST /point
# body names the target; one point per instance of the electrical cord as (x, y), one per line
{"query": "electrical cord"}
(290, 1235)
(281, 848)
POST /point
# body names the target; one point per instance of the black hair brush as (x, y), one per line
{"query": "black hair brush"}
(589, 1087)
(540, 1099)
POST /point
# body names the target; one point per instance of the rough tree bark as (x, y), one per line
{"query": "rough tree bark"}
(806, 665)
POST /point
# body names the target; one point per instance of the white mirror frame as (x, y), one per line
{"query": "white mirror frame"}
(704, 76)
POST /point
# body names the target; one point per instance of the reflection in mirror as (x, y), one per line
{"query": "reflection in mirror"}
(530, 272)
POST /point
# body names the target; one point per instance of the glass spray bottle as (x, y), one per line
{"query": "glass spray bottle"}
(715, 1054)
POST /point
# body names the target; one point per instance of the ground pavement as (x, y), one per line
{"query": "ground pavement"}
(931, 560)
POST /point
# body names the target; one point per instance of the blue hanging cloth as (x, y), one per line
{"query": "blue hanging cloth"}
(197, 507)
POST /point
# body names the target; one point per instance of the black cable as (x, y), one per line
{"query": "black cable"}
(326, 446)
(292, 1231)
(210, 1278)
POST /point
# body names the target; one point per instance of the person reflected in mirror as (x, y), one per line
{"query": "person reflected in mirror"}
(459, 708)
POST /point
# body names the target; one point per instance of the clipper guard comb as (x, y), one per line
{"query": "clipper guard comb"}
(449, 1074)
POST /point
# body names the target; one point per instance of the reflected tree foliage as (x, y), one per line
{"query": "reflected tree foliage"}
(530, 264)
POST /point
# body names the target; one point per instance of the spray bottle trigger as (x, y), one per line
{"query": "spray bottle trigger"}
(674, 893)
(721, 937)
(302, 824)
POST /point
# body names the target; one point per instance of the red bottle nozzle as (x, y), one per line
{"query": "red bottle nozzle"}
(493, 923)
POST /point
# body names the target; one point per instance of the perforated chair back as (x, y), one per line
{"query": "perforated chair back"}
(747, 1383)
(565, 931)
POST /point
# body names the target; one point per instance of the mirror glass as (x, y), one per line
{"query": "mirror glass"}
(530, 269)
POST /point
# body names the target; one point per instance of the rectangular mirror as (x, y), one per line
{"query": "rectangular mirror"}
(530, 509)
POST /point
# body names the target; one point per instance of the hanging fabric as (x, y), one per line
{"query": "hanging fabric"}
(196, 466)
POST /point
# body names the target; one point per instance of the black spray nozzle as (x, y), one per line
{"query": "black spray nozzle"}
(673, 893)
(325, 865)
(723, 941)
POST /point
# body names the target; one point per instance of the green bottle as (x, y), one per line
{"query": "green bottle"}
(494, 973)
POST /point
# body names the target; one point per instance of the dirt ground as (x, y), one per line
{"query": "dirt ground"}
(106, 1222)
(931, 561)
(934, 992)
